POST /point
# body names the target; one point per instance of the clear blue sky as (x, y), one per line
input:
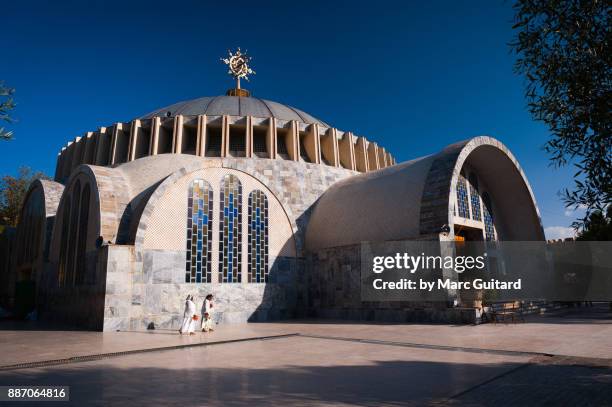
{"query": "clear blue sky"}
(412, 75)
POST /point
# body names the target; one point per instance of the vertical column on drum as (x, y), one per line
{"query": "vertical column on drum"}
(134, 125)
(361, 155)
(382, 157)
(77, 152)
(225, 133)
(329, 147)
(90, 146)
(346, 151)
(271, 137)
(314, 130)
(177, 139)
(58, 165)
(248, 150)
(373, 156)
(155, 128)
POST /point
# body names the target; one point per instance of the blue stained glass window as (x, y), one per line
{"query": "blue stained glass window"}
(474, 197)
(258, 233)
(488, 218)
(198, 268)
(462, 197)
(230, 230)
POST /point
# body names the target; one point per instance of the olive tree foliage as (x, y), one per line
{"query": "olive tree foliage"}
(598, 226)
(13, 190)
(563, 51)
(6, 105)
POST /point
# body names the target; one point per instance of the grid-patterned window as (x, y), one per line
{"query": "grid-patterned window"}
(259, 140)
(281, 144)
(258, 237)
(488, 218)
(230, 230)
(475, 197)
(237, 141)
(462, 197)
(199, 232)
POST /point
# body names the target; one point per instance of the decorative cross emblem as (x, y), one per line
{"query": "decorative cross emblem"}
(238, 64)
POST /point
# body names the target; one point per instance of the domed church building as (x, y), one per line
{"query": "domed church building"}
(259, 203)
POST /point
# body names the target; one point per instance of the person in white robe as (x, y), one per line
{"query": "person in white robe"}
(188, 325)
(207, 314)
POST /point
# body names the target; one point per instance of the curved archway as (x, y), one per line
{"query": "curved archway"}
(168, 183)
(517, 214)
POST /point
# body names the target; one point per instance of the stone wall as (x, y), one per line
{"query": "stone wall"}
(7, 274)
(157, 275)
(78, 306)
(334, 292)
(153, 295)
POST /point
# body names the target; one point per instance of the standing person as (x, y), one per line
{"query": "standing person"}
(207, 321)
(188, 325)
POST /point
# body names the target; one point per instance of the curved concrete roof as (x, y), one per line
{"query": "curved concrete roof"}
(234, 106)
(376, 206)
(52, 191)
(414, 199)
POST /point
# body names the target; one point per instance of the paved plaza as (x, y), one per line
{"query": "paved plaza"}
(559, 359)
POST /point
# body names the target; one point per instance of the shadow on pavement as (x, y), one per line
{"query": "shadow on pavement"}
(379, 383)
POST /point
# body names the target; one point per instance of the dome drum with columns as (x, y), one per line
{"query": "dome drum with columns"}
(258, 203)
(224, 126)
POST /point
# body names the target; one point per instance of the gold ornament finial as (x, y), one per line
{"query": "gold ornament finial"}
(238, 64)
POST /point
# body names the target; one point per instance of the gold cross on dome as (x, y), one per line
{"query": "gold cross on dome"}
(238, 64)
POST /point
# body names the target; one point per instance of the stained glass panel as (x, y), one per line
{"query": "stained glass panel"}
(475, 197)
(198, 267)
(258, 237)
(462, 197)
(230, 230)
(488, 218)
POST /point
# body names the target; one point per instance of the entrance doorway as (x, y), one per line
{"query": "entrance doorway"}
(467, 245)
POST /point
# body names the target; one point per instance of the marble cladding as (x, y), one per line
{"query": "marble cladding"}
(154, 291)
(297, 185)
(334, 291)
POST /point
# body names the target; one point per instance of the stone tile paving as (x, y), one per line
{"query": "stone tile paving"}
(286, 372)
(552, 381)
(502, 365)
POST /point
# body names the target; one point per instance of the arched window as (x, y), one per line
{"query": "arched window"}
(31, 220)
(198, 268)
(230, 230)
(475, 197)
(488, 218)
(61, 277)
(81, 243)
(258, 237)
(72, 235)
(462, 197)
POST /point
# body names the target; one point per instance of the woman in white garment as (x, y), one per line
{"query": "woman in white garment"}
(207, 320)
(188, 325)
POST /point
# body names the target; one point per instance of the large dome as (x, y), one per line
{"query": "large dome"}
(235, 106)
(237, 126)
